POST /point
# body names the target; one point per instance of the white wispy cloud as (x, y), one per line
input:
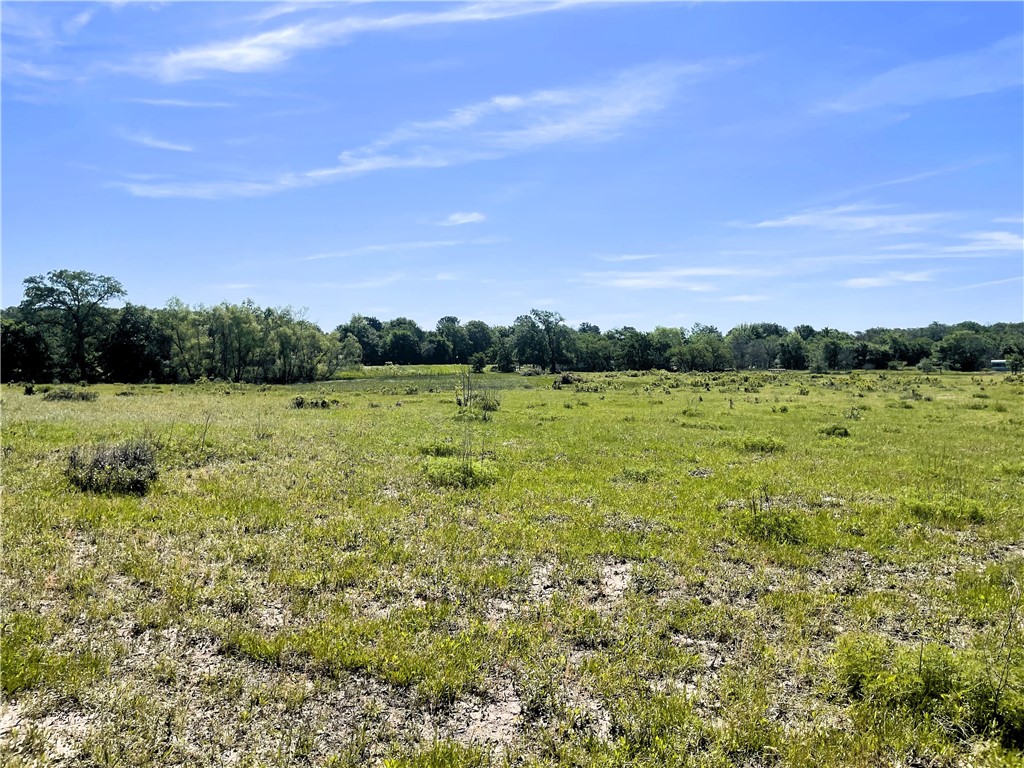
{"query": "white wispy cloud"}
(182, 103)
(1011, 242)
(859, 218)
(277, 10)
(630, 257)
(23, 21)
(491, 129)
(459, 218)
(908, 179)
(75, 24)
(147, 140)
(15, 68)
(949, 77)
(987, 283)
(1008, 220)
(675, 277)
(746, 297)
(888, 279)
(267, 50)
(389, 248)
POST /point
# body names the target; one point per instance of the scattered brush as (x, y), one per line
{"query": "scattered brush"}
(762, 444)
(834, 430)
(128, 468)
(312, 402)
(764, 519)
(453, 471)
(637, 474)
(69, 393)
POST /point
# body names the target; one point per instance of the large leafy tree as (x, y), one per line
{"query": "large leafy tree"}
(137, 347)
(555, 335)
(71, 304)
(23, 352)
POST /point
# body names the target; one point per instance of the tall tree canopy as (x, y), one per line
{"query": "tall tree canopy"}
(73, 302)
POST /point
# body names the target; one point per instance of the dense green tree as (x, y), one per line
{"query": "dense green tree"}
(705, 350)
(632, 349)
(401, 346)
(594, 352)
(457, 345)
(664, 343)
(792, 352)
(367, 332)
(188, 330)
(555, 336)
(527, 342)
(502, 353)
(964, 350)
(137, 348)
(24, 355)
(71, 304)
(480, 335)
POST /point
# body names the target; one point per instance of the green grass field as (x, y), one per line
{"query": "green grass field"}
(641, 570)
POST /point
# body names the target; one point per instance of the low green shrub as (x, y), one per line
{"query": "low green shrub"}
(959, 689)
(834, 430)
(766, 519)
(947, 510)
(637, 475)
(762, 444)
(313, 402)
(128, 468)
(441, 448)
(69, 393)
(453, 472)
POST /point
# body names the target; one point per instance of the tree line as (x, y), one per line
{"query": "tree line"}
(65, 330)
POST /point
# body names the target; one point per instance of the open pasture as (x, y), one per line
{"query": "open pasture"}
(628, 569)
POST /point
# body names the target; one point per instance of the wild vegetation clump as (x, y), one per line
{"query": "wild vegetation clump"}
(966, 692)
(835, 430)
(762, 444)
(70, 393)
(310, 402)
(127, 468)
(944, 509)
(457, 472)
(767, 519)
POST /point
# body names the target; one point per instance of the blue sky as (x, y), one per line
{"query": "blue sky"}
(843, 165)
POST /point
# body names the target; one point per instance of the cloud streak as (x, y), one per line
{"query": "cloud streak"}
(274, 48)
(495, 128)
(674, 277)
(949, 77)
(858, 218)
(182, 103)
(147, 140)
(416, 245)
(888, 279)
(624, 257)
(459, 218)
(1010, 242)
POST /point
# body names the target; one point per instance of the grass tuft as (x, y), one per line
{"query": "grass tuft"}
(69, 393)
(128, 468)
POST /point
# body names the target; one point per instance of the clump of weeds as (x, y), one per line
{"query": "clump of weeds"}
(125, 468)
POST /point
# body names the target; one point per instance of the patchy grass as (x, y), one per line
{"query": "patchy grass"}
(675, 570)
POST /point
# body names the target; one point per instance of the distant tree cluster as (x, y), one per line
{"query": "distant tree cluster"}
(64, 330)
